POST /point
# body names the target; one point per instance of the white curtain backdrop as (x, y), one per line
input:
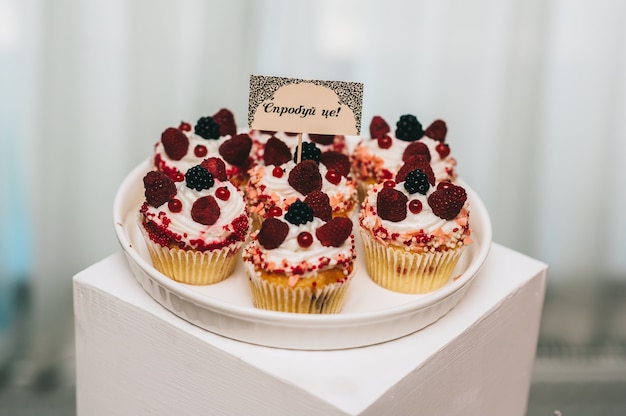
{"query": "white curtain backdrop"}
(533, 92)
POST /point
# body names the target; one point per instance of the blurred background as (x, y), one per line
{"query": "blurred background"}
(533, 92)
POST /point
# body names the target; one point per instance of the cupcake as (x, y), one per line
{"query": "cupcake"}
(413, 232)
(379, 157)
(279, 180)
(183, 147)
(324, 142)
(301, 260)
(194, 229)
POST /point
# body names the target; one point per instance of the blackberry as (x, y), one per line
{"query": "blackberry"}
(299, 213)
(408, 128)
(416, 181)
(207, 128)
(310, 151)
(199, 178)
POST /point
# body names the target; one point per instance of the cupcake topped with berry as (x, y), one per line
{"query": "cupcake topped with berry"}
(194, 228)
(301, 259)
(185, 146)
(280, 180)
(414, 231)
(379, 157)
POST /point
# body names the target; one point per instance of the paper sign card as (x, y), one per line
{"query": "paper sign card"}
(305, 106)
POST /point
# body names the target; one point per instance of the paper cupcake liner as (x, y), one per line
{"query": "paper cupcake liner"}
(284, 298)
(193, 267)
(405, 271)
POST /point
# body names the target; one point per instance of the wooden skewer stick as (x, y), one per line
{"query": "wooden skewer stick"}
(299, 155)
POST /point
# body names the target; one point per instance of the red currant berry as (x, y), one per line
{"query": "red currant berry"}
(415, 206)
(443, 184)
(443, 149)
(305, 239)
(274, 211)
(175, 205)
(278, 172)
(179, 177)
(184, 126)
(222, 193)
(384, 142)
(389, 184)
(200, 151)
(333, 176)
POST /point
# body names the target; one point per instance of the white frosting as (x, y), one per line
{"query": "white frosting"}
(190, 159)
(189, 230)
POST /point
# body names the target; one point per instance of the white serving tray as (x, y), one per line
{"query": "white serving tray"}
(370, 314)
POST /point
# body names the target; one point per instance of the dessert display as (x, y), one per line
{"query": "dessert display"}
(413, 229)
(379, 157)
(194, 229)
(210, 187)
(278, 181)
(301, 259)
(185, 146)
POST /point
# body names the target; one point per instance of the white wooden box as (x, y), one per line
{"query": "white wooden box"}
(134, 357)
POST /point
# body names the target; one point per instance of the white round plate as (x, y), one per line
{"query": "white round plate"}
(370, 314)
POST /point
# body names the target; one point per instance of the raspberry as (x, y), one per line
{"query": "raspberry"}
(416, 148)
(207, 128)
(391, 204)
(309, 152)
(299, 213)
(159, 188)
(437, 130)
(319, 202)
(305, 177)
(447, 201)
(175, 143)
(334, 232)
(199, 178)
(216, 167)
(225, 119)
(336, 160)
(236, 150)
(408, 128)
(276, 152)
(416, 162)
(205, 210)
(272, 233)
(323, 139)
(416, 181)
(378, 127)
